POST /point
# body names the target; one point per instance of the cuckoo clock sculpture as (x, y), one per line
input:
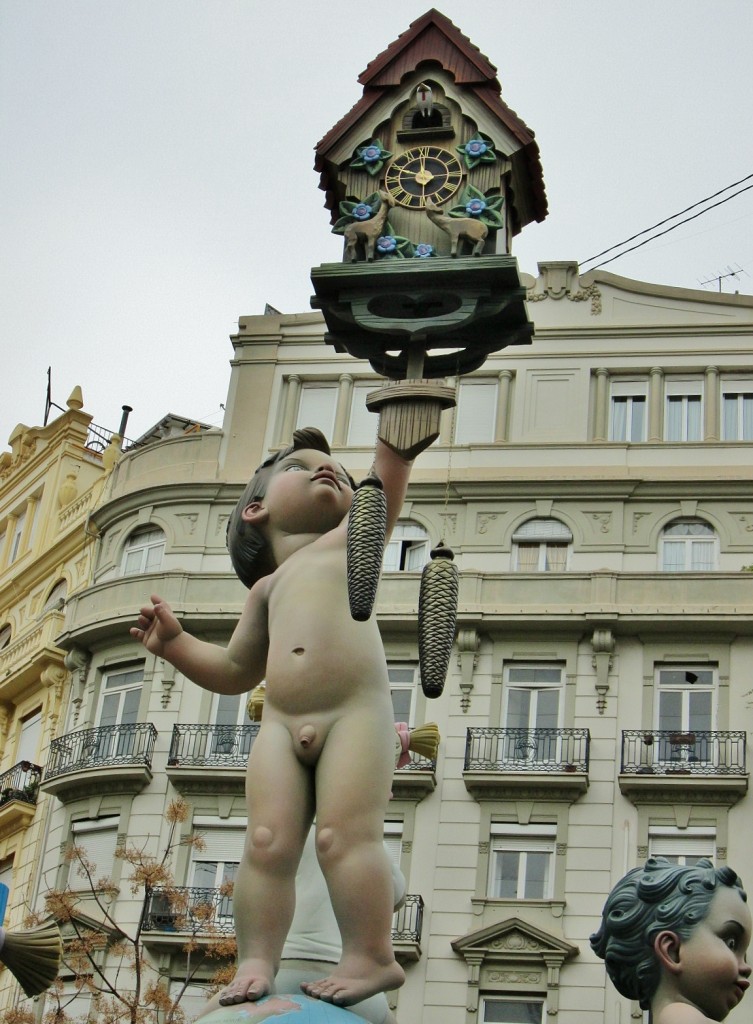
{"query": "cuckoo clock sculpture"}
(428, 178)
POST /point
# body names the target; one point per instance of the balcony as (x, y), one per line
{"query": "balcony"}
(206, 759)
(689, 765)
(534, 763)
(173, 915)
(117, 758)
(27, 655)
(407, 925)
(18, 797)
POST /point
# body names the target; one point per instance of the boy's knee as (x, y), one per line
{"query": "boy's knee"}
(325, 842)
(268, 849)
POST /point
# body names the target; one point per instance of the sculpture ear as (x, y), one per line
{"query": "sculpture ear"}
(255, 513)
(667, 949)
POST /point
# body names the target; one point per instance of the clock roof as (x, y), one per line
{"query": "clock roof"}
(434, 38)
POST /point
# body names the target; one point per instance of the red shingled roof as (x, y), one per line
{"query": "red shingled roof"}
(433, 37)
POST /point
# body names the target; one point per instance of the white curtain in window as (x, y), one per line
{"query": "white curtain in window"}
(316, 408)
(556, 557)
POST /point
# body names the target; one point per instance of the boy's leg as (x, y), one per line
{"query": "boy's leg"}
(280, 801)
(353, 781)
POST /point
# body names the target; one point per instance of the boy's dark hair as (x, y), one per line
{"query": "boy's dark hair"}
(249, 552)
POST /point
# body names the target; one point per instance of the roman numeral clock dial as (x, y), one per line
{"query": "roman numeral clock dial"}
(425, 172)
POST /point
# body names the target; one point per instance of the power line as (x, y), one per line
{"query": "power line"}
(667, 219)
(666, 230)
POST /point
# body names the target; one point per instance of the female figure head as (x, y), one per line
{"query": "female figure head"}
(654, 920)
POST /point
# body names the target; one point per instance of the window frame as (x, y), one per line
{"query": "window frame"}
(699, 841)
(413, 545)
(403, 686)
(485, 999)
(739, 389)
(709, 540)
(465, 431)
(523, 840)
(539, 532)
(145, 548)
(314, 418)
(628, 391)
(686, 390)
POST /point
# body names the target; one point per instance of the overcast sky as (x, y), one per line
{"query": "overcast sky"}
(156, 175)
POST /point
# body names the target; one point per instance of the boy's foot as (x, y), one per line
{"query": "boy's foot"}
(345, 987)
(252, 980)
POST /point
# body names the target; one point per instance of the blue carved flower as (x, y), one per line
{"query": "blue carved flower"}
(476, 148)
(423, 250)
(369, 154)
(475, 207)
(361, 211)
(386, 244)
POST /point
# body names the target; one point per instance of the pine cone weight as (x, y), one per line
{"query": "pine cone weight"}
(437, 615)
(367, 527)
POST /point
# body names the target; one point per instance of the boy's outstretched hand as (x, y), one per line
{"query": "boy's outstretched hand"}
(157, 626)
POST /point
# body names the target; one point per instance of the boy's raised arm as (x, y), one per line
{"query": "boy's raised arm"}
(232, 669)
(394, 471)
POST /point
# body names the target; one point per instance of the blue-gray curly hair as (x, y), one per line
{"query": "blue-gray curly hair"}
(660, 896)
(249, 551)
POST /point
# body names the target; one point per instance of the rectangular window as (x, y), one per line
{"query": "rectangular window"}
(29, 737)
(512, 1011)
(214, 868)
(532, 700)
(393, 840)
(119, 709)
(737, 411)
(403, 687)
(15, 544)
(628, 411)
(476, 413)
(521, 862)
(682, 846)
(362, 425)
(684, 410)
(316, 408)
(98, 839)
(685, 715)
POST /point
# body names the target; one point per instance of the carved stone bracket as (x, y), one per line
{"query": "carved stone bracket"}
(77, 661)
(168, 682)
(468, 642)
(603, 646)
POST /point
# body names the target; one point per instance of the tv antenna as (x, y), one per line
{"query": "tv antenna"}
(729, 272)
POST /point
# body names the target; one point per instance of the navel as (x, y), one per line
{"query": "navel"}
(298, 650)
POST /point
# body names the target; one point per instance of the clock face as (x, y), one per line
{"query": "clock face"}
(426, 172)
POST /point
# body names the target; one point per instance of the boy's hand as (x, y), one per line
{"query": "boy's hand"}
(157, 626)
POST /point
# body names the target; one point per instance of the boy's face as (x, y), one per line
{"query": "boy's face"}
(715, 972)
(308, 492)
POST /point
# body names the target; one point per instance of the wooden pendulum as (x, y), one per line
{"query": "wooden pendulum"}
(367, 527)
(437, 615)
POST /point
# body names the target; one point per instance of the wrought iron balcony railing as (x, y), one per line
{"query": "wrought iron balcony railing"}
(191, 909)
(205, 745)
(203, 911)
(408, 922)
(668, 752)
(21, 782)
(102, 746)
(527, 750)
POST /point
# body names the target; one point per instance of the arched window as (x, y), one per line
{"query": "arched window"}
(407, 549)
(143, 551)
(56, 597)
(541, 545)
(688, 545)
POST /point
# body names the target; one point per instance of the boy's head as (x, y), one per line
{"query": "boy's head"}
(658, 897)
(249, 551)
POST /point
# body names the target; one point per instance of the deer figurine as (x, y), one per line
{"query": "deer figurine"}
(472, 230)
(367, 231)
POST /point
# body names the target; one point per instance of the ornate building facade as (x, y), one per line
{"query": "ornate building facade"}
(50, 482)
(595, 487)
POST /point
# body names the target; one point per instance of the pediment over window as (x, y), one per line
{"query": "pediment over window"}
(513, 939)
(513, 953)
